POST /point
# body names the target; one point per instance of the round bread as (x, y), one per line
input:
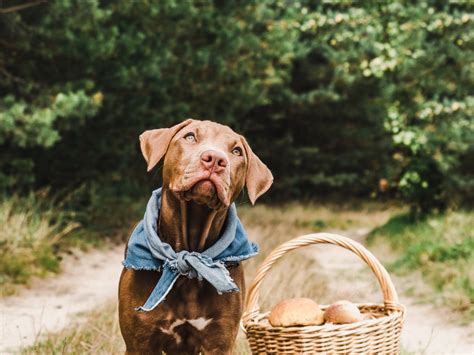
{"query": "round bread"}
(342, 312)
(296, 311)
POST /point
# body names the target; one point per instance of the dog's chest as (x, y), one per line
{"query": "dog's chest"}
(196, 304)
(192, 299)
(194, 310)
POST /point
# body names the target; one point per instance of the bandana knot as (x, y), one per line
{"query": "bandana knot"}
(181, 266)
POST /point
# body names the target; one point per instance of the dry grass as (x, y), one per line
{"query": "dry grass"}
(439, 247)
(98, 333)
(38, 229)
(31, 229)
(271, 226)
(296, 275)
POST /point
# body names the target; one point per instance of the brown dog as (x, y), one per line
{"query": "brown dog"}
(206, 166)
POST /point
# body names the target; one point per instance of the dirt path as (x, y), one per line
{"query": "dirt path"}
(87, 280)
(426, 330)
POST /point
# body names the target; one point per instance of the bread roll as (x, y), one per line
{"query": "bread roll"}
(342, 312)
(296, 311)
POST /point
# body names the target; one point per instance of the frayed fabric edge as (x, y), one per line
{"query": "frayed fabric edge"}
(236, 289)
(130, 266)
(143, 309)
(238, 258)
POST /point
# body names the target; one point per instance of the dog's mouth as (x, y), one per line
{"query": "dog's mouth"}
(205, 189)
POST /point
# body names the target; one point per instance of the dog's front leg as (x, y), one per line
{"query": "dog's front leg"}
(144, 352)
(218, 351)
(219, 337)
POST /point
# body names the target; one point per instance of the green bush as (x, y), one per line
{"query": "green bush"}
(25, 126)
(379, 92)
(154, 64)
(366, 98)
(430, 100)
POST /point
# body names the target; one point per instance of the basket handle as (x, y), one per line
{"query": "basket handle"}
(389, 293)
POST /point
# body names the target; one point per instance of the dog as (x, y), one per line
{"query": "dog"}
(206, 166)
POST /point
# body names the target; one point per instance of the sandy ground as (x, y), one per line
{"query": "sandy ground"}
(426, 330)
(87, 280)
(91, 279)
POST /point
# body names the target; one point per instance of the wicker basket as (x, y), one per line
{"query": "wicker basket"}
(379, 335)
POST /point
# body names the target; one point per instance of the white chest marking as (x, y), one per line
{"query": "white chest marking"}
(198, 323)
(171, 332)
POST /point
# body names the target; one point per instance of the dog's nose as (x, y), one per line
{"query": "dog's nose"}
(214, 160)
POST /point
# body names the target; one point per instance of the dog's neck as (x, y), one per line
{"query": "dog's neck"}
(188, 225)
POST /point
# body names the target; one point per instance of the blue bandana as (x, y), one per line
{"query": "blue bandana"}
(146, 251)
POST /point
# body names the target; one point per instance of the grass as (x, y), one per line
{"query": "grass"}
(36, 231)
(98, 333)
(441, 247)
(271, 226)
(31, 230)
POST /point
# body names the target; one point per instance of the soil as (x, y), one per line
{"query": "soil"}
(48, 305)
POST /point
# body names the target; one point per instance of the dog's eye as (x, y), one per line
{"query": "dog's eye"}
(190, 137)
(237, 151)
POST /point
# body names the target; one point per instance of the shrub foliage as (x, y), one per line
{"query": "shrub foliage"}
(361, 98)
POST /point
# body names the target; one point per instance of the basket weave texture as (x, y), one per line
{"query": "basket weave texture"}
(379, 335)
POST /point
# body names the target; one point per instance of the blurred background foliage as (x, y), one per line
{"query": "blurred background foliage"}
(341, 99)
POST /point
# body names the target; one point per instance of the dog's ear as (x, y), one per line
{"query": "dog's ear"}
(259, 178)
(154, 143)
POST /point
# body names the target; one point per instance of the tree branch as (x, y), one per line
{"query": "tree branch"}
(21, 7)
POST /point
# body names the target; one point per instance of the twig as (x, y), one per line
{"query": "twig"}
(22, 6)
(69, 228)
(11, 76)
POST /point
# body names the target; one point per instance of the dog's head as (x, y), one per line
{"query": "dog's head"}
(205, 162)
